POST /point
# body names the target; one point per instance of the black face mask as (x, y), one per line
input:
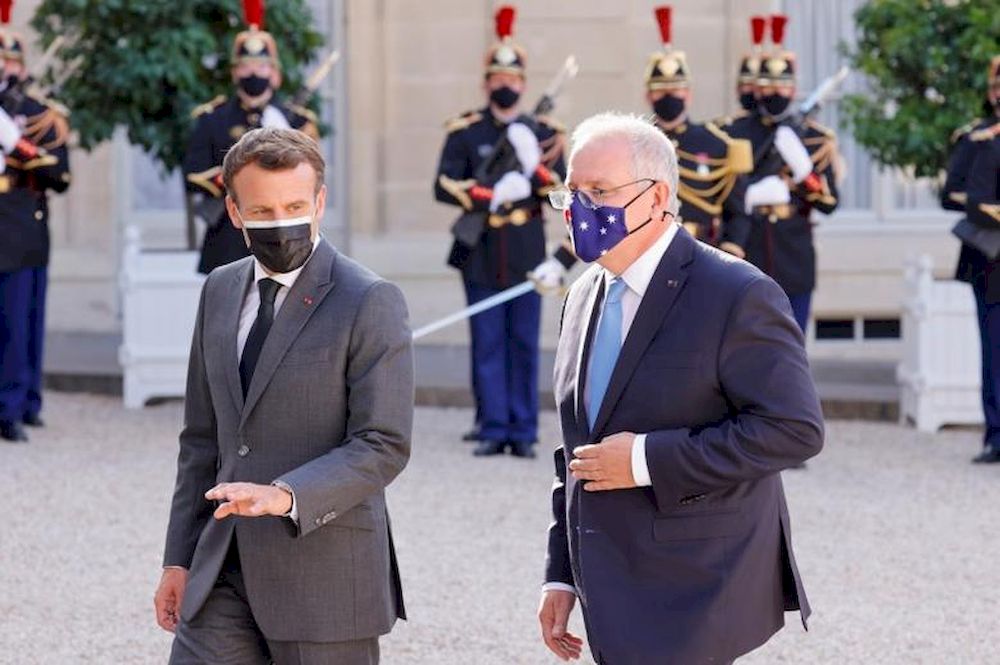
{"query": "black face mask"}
(282, 248)
(505, 97)
(774, 105)
(254, 86)
(748, 101)
(668, 108)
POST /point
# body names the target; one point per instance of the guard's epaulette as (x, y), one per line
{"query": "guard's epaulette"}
(302, 111)
(208, 107)
(461, 122)
(724, 120)
(717, 131)
(551, 123)
(37, 96)
(964, 129)
(825, 131)
(986, 133)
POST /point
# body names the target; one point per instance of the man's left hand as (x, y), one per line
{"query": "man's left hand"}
(249, 500)
(606, 465)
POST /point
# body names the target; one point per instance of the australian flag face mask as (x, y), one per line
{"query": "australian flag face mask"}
(595, 229)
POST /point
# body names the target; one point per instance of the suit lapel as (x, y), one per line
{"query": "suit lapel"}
(309, 290)
(588, 318)
(666, 285)
(231, 320)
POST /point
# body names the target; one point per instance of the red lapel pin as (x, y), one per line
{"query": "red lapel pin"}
(307, 301)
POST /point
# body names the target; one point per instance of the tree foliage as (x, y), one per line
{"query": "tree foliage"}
(145, 64)
(925, 62)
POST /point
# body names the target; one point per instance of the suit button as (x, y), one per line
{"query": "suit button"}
(243, 451)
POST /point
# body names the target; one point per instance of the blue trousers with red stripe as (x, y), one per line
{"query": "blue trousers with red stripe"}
(22, 334)
(505, 366)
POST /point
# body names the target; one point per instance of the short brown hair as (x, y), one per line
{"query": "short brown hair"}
(273, 149)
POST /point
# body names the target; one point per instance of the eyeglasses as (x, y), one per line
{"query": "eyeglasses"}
(592, 199)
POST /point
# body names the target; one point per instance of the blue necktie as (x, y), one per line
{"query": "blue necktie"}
(605, 349)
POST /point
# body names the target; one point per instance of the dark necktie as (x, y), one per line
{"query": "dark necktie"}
(258, 333)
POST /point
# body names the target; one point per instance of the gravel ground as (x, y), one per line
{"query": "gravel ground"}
(896, 535)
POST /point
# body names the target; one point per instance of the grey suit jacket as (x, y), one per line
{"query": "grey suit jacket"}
(699, 567)
(329, 412)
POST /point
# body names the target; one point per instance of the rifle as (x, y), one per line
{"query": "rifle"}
(767, 160)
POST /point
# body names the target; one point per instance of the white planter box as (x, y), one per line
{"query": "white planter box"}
(939, 374)
(160, 293)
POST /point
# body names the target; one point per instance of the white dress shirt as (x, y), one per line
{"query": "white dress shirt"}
(637, 278)
(248, 315)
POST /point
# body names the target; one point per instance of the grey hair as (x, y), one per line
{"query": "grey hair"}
(653, 154)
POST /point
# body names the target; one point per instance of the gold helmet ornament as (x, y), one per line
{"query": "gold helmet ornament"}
(505, 57)
(778, 66)
(667, 69)
(254, 44)
(750, 63)
(11, 43)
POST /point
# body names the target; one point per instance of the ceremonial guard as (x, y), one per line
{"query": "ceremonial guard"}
(973, 186)
(500, 239)
(710, 163)
(33, 133)
(219, 123)
(795, 172)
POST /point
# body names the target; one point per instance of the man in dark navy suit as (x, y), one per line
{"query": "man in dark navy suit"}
(683, 390)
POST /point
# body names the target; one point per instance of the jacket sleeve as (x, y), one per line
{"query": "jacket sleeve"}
(557, 565)
(48, 131)
(202, 173)
(983, 206)
(776, 419)
(455, 183)
(819, 189)
(953, 194)
(380, 394)
(197, 457)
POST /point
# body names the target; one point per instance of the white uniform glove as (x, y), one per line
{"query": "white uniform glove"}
(771, 190)
(790, 148)
(10, 133)
(548, 275)
(272, 117)
(511, 187)
(525, 143)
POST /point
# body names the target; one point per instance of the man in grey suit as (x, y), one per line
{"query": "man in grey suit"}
(683, 390)
(298, 414)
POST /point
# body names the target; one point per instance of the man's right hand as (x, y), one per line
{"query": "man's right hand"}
(553, 615)
(168, 598)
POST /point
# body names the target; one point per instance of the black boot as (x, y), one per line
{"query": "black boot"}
(34, 420)
(12, 432)
(525, 449)
(472, 435)
(990, 455)
(489, 448)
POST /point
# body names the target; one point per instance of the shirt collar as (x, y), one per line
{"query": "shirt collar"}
(638, 275)
(286, 279)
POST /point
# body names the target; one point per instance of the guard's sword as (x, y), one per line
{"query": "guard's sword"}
(481, 306)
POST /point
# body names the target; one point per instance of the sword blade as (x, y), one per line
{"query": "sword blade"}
(481, 306)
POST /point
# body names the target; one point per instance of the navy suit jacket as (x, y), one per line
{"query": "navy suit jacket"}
(699, 567)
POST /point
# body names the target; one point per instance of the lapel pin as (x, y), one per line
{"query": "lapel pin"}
(672, 283)
(307, 301)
